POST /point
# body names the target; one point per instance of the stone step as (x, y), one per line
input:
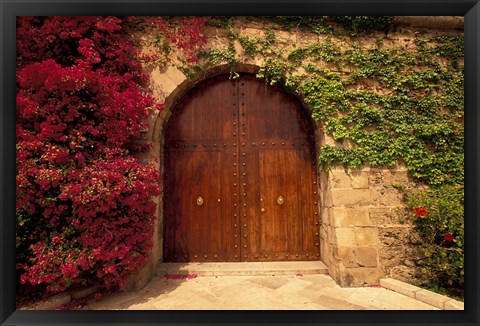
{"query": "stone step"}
(243, 268)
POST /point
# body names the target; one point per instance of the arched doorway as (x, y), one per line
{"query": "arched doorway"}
(240, 181)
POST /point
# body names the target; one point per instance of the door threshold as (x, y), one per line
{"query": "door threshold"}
(244, 268)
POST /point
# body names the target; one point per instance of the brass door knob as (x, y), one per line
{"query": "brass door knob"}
(199, 201)
(280, 200)
(262, 210)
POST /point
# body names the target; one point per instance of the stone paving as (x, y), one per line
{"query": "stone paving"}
(255, 292)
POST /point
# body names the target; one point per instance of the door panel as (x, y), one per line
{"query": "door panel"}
(280, 228)
(271, 114)
(199, 162)
(206, 115)
(200, 194)
(247, 151)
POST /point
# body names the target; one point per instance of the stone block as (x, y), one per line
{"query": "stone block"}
(358, 257)
(239, 48)
(346, 237)
(366, 236)
(308, 38)
(400, 177)
(324, 230)
(375, 178)
(166, 85)
(327, 216)
(393, 176)
(387, 176)
(390, 197)
(399, 287)
(394, 235)
(352, 197)
(431, 298)
(175, 75)
(340, 179)
(258, 60)
(344, 217)
(289, 268)
(360, 180)
(347, 257)
(285, 36)
(454, 305)
(381, 216)
(335, 272)
(366, 256)
(329, 140)
(402, 273)
(326, 198)
(252, 32)
(360, 276)
(326, 252)
(138, 280)
(331, 235)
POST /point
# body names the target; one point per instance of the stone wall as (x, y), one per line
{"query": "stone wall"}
(372, 238)
(362, 234)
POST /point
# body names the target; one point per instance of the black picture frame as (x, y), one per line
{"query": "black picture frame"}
(9, 9)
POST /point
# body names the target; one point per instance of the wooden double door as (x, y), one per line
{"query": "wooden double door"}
(240, 181)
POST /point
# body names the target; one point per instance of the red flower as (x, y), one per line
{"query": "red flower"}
(56, 239)
(69, 270)
(448, 237)
(193, 58)
(422, 212)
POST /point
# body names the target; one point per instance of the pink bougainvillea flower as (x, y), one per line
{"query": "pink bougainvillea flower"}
(448, 237)
(81, 98)
(56, 239)
(422, 212)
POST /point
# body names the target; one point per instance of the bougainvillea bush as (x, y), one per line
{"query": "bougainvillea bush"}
(438, 214)
(84, 204)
